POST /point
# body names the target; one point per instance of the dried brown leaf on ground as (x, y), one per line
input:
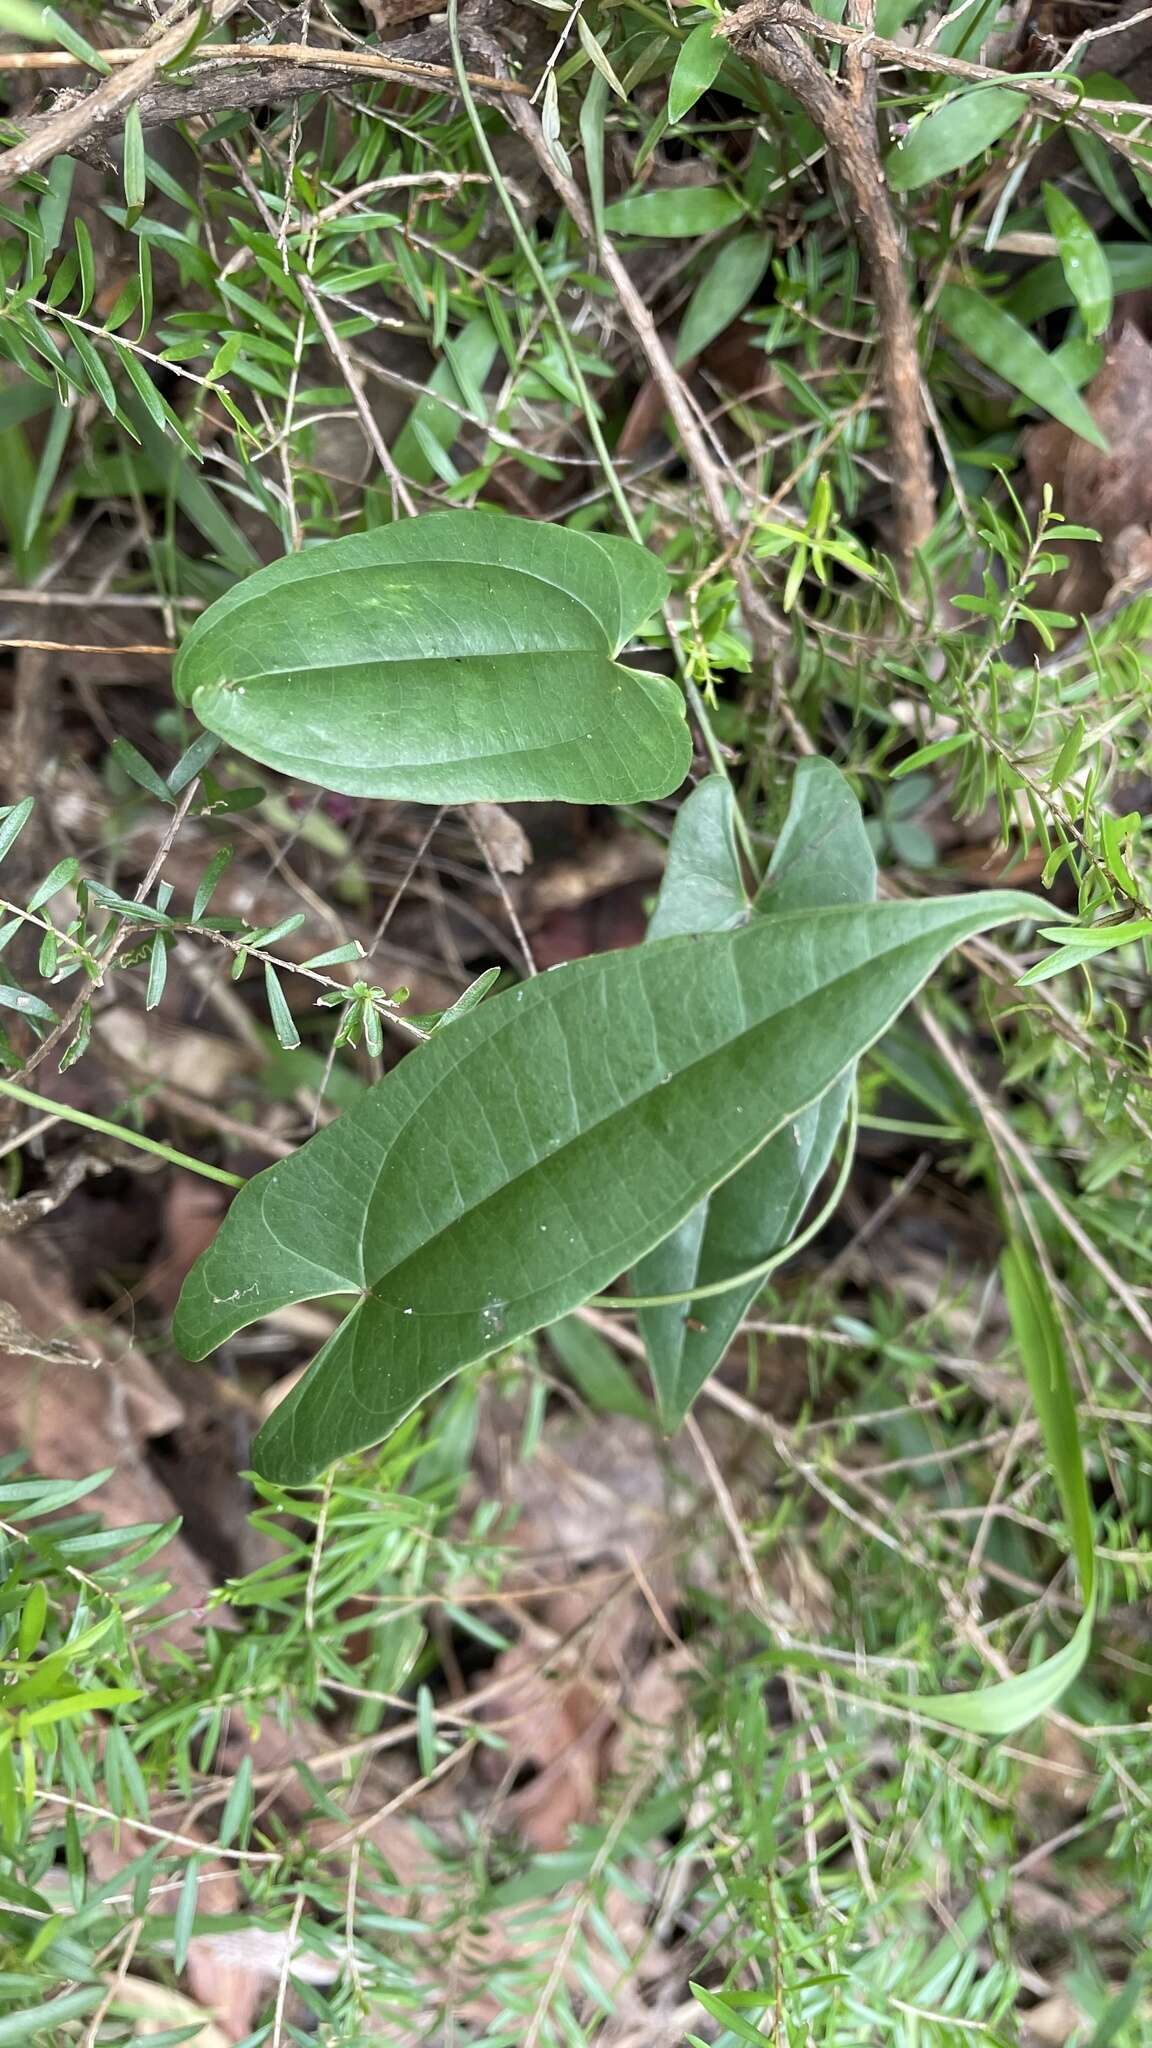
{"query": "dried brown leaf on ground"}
(1111, 491)
(502, 838)
(225, 1982)
(72, 1419)
(591, 1517)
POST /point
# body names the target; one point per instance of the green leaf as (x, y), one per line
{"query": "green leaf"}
(61, 876)
(32, 1618)
(950, 136)
(1003, 1708)
(141, 771)
(193, 761)
(592, 140)
(823, 857)
(719, 2009)
(160, 414)
(238, 1806)
(1083, 260)
(459, 377)
(283, 1022)
(459, 657)
(674, 212)
(70, 38)
(26, 1005)
(1070, 751)
(55, 442)
(698, 64)
(165, 445)
(157, 973)
(596, 53)
(12, 822)
(135, 171)
(38, 2022)
(518, 1162)
(605, 1384)
(21, 18)
(723, 292)
(703, 888)
(469, 997)
(185, 1916)
(995, 338)
(75, 1704)
(938, 750)
(87, 260)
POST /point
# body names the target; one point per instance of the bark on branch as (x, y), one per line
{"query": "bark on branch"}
(222, 80)
(769, 36)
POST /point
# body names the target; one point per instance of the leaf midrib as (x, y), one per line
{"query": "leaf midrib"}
(332, 575)
(603, 1122)
(524, 755)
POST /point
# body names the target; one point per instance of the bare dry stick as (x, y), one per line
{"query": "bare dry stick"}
(110, 100)
(1061, 99)
(769, 36)
(222, 79)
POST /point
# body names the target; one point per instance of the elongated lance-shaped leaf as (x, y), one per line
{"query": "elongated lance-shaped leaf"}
(526, 1155)
(822, 857)
(1011, 1703)
(453, 659)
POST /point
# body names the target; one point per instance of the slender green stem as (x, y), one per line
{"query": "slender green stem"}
(69, 1115)
(766, 1266)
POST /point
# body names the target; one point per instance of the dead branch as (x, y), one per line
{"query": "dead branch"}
(1045, 92)
(229, 77)
(846, 118)
(107, 105)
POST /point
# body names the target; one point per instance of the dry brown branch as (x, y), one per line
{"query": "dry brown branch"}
(226, 78)
(768, 33)
(103, 109)
(1059, 99)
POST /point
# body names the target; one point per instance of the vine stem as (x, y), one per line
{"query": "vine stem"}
(109, 1130)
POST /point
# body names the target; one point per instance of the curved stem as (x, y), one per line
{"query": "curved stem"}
(68, 1115)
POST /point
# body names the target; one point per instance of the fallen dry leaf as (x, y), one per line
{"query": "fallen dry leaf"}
(1053, 2022)
(95, 1408)
(227, 1985)
(1109, 491)
(502, 837)
(554, 1724)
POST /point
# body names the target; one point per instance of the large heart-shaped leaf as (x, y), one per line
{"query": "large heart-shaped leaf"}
(822, 857)
(460, 658)
(536, 1148)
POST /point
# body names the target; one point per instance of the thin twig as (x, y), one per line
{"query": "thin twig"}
(222, 78)
(402, 499)
(103, 108)
(768, 35)
(126, 929)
